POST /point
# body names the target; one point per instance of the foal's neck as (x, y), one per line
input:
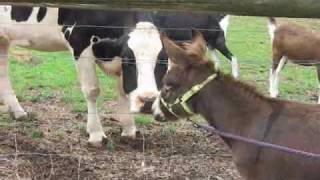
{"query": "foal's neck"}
(234, 107)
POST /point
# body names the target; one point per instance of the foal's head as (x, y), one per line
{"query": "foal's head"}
(189, 66)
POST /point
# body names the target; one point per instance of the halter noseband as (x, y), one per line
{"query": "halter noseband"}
(181, 102)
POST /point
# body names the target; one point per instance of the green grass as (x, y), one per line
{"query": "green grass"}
(143, 120)
(54, 75)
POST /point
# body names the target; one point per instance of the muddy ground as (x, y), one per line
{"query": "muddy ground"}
(52, 144)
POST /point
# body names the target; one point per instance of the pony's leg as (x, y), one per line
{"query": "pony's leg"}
(318, 73)
(221, 46)
(7, 94)
(275, 76)
(86, 69)
(125, 116)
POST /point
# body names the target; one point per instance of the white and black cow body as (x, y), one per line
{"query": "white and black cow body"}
(177, 26)
(92, 35)
(77, 30)
(213, 27)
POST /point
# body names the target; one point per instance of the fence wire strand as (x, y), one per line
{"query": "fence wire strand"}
(80, 158)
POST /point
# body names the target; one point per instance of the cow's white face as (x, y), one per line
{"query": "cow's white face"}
(145, 44)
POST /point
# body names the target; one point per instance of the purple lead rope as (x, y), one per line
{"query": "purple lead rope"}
(256, 142)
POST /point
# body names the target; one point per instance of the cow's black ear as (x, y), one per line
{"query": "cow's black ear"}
(106, 49)
(161, 67)
(129, 71)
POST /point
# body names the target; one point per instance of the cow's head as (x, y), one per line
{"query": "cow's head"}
(144, 63)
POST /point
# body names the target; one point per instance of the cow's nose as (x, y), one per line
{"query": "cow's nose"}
(147, 104)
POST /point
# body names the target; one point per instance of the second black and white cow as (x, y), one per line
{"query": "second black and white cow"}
(92, 35)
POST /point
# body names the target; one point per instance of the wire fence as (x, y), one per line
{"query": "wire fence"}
(15, 126)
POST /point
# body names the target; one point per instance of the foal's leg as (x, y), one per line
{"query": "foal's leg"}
(318, 72)
(7, 94)
(275, 76)
(86, 69)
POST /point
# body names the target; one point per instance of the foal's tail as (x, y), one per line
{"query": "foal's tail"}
(272, 27)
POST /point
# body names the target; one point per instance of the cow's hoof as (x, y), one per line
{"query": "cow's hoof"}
(129, 133)
(95, 139)
(133, 141)
(20, 115)
(95, 144)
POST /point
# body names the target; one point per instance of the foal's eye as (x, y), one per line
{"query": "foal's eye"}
(167, 87)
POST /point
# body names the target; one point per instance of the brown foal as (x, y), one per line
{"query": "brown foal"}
(295, 43)
(234, 107)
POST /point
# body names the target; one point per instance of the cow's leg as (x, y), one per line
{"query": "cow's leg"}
(275, 76)
(86, 69)
(221, 46)
(216, 59)
(318, 72)
(7, 94)
(125, 116)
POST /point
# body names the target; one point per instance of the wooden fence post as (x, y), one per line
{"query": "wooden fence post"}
(286, 8)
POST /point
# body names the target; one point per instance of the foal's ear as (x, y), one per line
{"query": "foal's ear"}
(176, 54)
(198, 42)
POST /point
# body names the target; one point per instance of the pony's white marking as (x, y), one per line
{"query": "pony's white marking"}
(217, 61)
(146, 44)
(271, 80)
(235, 67)
(224, 23)
(275, 78)
(318, 93)
(271, 29)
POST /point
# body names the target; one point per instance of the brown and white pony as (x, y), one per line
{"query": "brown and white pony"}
(234, 107)
(295, 43)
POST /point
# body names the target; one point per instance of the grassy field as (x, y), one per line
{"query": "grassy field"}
(53, 75)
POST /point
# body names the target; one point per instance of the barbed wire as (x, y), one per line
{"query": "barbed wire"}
(15, 124)
(133, 27)
(133, 61)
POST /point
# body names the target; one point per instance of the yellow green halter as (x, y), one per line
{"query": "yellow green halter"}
(181, 102)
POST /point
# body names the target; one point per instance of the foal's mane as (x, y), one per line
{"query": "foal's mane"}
(240, 87)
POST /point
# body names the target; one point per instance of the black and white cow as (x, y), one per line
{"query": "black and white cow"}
(177, 27)
(85, 35)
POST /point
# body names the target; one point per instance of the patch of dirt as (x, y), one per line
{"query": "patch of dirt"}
(63, 153)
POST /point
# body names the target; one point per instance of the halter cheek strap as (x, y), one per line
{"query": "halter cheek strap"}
(182, 100)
